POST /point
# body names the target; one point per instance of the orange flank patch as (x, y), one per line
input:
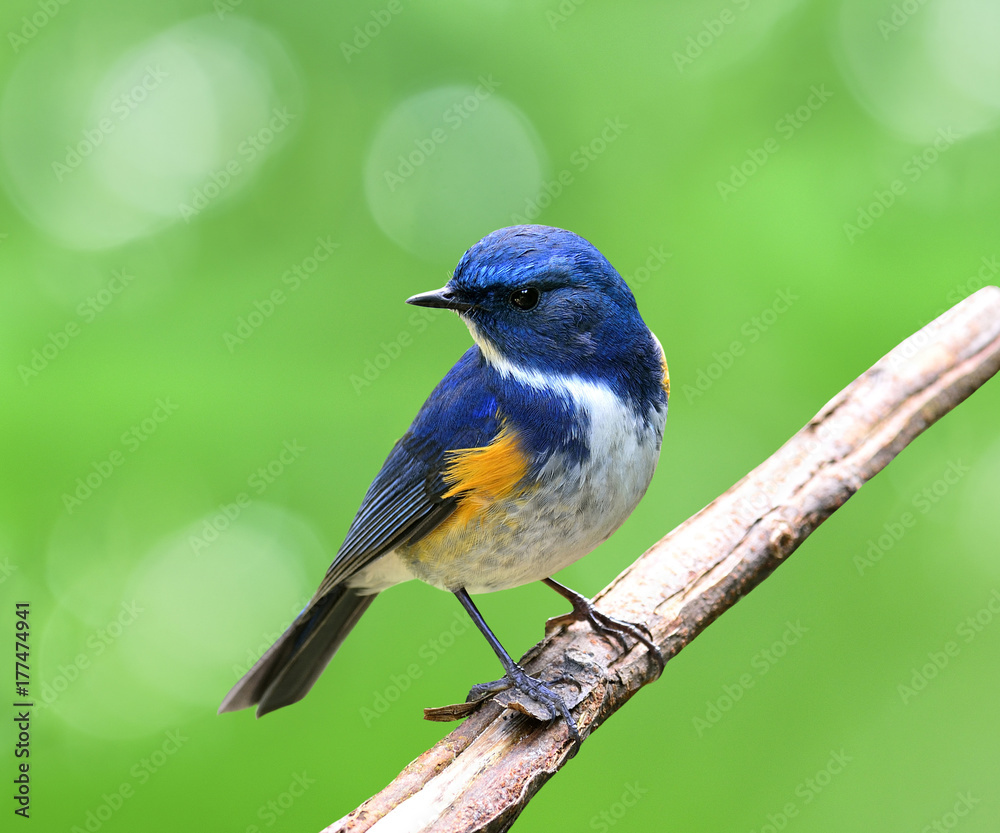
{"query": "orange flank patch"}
(663, 363)
(484, 475)
(665, 382)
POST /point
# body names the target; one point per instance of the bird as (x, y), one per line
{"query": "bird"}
(532, 450)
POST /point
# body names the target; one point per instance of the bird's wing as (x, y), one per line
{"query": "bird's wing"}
(413, 494)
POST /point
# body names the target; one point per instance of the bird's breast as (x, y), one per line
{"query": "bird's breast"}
(520, 519)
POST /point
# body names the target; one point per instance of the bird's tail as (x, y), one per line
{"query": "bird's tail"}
(288, 669)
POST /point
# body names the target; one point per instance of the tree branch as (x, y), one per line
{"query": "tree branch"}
(482, 775)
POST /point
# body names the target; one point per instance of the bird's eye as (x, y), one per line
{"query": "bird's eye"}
(525, 299)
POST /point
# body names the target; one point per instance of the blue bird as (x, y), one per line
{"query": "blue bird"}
(533, 449)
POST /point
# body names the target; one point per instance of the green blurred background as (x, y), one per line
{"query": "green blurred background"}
(211, 216)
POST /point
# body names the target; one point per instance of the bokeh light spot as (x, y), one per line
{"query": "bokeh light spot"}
(209, 601)
(185, 117)
(923, 68)
(172, 640)
(964, 38)
(449, 165)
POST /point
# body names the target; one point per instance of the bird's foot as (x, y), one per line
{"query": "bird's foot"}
(585, 611)
(539, 692)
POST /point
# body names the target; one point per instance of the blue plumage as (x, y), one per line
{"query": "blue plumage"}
(586, 323)
(532, 450)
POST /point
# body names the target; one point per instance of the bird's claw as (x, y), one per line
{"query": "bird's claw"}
(535, 689)
(608, 626)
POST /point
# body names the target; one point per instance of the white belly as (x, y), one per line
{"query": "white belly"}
(574, 507)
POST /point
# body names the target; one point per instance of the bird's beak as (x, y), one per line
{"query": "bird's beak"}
(444, 298)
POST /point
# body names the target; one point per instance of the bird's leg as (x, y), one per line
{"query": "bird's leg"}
(517, 677)
(584, 610)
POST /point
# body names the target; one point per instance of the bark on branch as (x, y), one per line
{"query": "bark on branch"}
(482, 775)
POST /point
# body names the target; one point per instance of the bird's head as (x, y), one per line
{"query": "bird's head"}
(544, 299)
